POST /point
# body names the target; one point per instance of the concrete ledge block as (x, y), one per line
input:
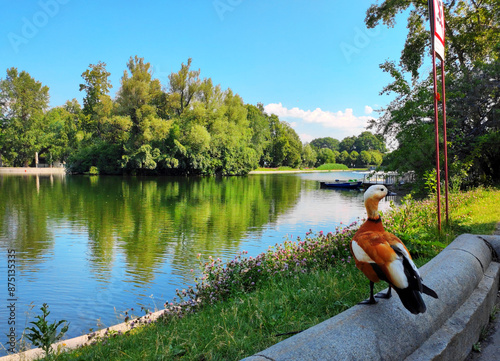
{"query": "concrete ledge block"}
(475, 245)
(454, 339)
(494, 243)
(387, 331)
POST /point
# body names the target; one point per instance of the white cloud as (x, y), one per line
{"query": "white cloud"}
(340, 124)
(307, 138)
(368, 109)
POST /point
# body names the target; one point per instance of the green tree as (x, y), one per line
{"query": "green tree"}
(309, 157)
(285, 147)
(294, 147)
(23, 101)
(472, 70)
(231, 147)
(184, 86)
(326, 155)
(136, 100)
(347, 144)
(213, 134)
(376, 157)
(59, 134)
(353, 158)
(96, 86)
(368, 141)
(344, 157)
(261, 133)
(365, 157)
(326, 142)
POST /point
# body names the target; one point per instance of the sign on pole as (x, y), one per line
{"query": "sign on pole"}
(436, 12)
(437, 27)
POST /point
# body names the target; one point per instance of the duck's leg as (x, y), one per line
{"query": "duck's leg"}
(385, 295)
(372, 299)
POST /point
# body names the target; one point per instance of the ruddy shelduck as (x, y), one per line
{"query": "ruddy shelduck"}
(381, 255)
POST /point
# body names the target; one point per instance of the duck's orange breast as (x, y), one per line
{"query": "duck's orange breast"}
(372, 245)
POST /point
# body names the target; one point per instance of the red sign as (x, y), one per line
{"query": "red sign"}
(437, 21)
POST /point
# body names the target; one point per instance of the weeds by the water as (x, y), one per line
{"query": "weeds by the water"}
(43, 334)
(224, 281)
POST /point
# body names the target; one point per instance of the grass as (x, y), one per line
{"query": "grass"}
(236, 329)
(332, 166)
(477, 215)
(239, 308)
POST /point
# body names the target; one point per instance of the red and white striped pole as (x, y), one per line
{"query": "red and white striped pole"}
(436, 11)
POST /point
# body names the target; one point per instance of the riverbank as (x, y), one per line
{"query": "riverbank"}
(315, 170)
(31, 171)
(248, 322)
(271, 171)
(60, 170)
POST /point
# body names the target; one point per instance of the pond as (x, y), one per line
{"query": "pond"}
(94, 247)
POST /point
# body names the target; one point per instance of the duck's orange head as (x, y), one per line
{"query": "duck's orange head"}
(373, 195)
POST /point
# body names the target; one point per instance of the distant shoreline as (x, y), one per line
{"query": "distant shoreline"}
(31, 170)
(301, 171)
(290, 171)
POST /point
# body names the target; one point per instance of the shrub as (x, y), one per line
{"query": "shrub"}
(44, 334)
(332, 166)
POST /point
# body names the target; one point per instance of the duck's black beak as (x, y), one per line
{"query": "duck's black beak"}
(389, 193)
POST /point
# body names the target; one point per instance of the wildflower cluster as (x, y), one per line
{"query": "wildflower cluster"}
(223, 281)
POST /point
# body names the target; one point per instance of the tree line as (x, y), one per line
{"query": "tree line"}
(354, 151)
(190, 127)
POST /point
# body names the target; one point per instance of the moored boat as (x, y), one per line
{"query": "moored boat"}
(350, 184)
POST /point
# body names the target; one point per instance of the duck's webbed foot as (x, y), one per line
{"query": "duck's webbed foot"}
(385, 295)
(371, 300)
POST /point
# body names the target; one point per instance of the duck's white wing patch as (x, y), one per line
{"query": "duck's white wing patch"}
(404, 252)
(359, 253)
(397, 273)
(396, 267)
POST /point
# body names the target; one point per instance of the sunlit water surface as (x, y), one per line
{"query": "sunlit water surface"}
(94, 247)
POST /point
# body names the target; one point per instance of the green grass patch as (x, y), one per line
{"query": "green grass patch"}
(241, 327)
(475, 212)
(238, 308)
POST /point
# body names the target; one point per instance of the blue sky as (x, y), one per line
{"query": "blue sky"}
(311, 62)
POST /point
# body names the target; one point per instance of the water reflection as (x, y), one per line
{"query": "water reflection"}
(90, 245)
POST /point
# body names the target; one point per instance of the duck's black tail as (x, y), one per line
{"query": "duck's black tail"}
(428, 291)
(411, 296)
(412, 300)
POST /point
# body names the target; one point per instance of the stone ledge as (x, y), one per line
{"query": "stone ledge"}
(466, 281)
(453, 341)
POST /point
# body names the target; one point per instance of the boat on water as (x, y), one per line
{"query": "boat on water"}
(345, 184)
